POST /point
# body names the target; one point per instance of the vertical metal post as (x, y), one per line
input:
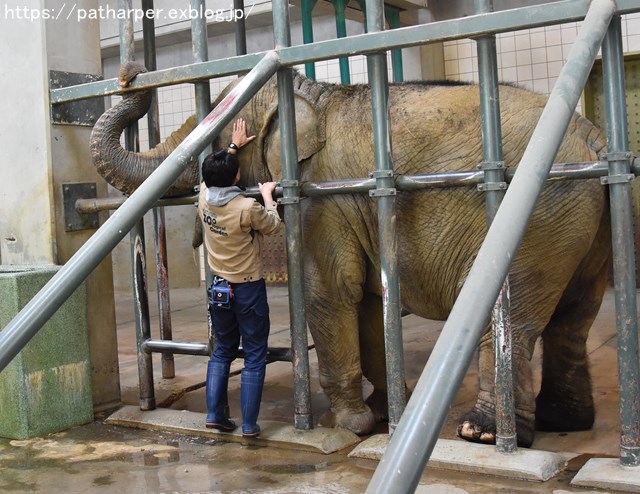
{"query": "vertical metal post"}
(494, 186)
(303, 418)
(385, 193)
(200, 50)
(624, 269)
(239, 27)
(393, 18)
(159, 224)
(138, 259)
(307, 33)
(340, 7)
(363, 7)
(410, 447)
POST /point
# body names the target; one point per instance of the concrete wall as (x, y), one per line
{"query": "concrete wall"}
(38, 157)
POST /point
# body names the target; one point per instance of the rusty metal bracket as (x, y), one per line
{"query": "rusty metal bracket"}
(85, 112)
(73, 220)
(617, 156)
(617, 179)
(488, 166)
(289, 184)
(492, 186)
(491, 165)
(381, 175)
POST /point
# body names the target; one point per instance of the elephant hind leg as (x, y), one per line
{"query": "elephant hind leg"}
(565, 402)
(372, 351)
(479, 423)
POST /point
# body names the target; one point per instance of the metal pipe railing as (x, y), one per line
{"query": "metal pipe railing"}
(303, 417)
(560, 171)
(159, 221)
(386, 207)
(476, 25)
(494, 186)
(624, 268)
(137, 243)
(41, 307)
(411, 445)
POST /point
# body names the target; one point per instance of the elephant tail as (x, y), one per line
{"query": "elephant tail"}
(126, 170)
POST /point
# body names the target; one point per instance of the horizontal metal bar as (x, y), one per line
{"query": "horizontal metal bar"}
(560, 171)
(170, 346)
(85, 206)
(274, 354)
(475, 25)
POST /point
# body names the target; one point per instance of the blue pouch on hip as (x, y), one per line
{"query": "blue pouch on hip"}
(220, 293)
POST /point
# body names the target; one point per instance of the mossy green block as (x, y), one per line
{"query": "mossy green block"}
(47, 386)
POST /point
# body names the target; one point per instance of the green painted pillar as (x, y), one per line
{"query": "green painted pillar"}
(47, 386)
(307, 33)
(393, 19)
(340, 7)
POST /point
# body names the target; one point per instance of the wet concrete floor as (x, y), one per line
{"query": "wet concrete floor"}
(103, 458)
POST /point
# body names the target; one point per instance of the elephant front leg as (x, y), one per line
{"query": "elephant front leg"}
(335, 334)
(479, 424)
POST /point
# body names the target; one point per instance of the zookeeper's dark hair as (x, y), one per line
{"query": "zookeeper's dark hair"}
(219, 169)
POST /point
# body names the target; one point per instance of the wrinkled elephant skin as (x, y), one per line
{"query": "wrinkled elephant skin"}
(557, 279)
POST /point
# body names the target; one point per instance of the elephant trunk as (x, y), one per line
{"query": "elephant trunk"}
(126, 170)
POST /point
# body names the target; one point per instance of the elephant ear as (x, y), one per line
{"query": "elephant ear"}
(310, 132)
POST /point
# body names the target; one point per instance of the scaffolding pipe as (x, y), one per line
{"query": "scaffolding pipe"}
(239, 27)
(494, 186)
(307, 34)
(137, 243)
(560, 171)
(303, 418)
(45, 303)
(340, 7)
(385, 193)
(410, 447)
(159, 222)
(624, 269)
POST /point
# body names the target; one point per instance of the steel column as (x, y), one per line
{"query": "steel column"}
(137, 244)
(494, 186)
(340, 7)
(386, 205)
(303, 418)
(410, 447)
(159, 223)
(624, 269)
(200, 50)
(44, 304)
(393, 18)
(307, 33)
(240, 29)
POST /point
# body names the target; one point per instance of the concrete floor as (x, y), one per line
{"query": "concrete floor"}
(104, 458)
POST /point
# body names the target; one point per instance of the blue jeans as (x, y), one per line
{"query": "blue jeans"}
(247, 318)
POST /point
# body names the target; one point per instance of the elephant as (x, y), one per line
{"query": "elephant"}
(557, 278)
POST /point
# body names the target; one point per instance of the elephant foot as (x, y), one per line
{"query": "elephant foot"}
(480, 427)
(561, 414)
(379, 404)
(359, 422)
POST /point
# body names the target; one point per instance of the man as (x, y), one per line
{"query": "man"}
(233, 227)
